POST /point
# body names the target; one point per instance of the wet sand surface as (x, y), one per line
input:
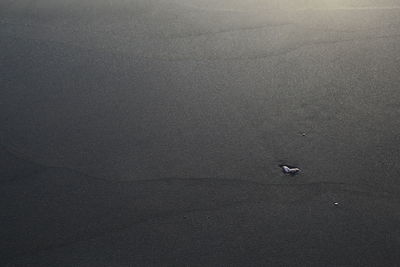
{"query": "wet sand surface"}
(148, 133)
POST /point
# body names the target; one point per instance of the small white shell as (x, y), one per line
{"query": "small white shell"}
(289, 170)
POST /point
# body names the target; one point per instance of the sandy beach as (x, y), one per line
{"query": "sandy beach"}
(151, 133)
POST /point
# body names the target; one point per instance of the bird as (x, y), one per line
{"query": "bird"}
(290, 170)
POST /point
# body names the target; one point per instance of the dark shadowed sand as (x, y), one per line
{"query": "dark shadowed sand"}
(150, 133)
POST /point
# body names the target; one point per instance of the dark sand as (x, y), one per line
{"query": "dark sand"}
(148, 133)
